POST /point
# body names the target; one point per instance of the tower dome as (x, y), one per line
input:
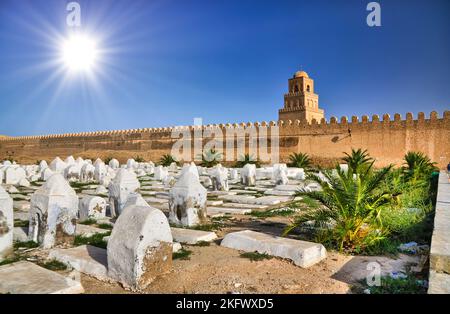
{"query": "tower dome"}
(301, 74)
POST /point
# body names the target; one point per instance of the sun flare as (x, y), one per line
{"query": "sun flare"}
(79, 53)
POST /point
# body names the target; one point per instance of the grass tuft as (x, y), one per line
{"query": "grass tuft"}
(255, 256)
(182, 254)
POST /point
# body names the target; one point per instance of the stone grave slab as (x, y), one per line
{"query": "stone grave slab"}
(87, 259)
(214, 202)
(88, 231)
(190, 236)
(220, 211)
(302, 253)
(28, 278)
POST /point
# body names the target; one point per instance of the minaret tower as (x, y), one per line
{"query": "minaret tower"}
(301, 103)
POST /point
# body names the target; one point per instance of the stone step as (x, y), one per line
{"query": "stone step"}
(28, 278)
(190, 236)
(88, 231)
(86, 259)
(220, 211)
(248, 206)
(214, 203)
(279, 193)
(302, 253)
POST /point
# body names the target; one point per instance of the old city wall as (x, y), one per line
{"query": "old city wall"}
(386, 139)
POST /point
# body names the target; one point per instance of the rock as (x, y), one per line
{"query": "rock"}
(42, 165)
(131, 163)
(161, 173)
(190, 236)
(187, 199)
(173, 167)
(101, 190)
(92, 207)
(53, 213)
(87, 173)
(207, 182)
(135, 199)
(234, 175)
(140, 247)
(12, 190)
(46, 173)
(169, 181)
(69, 161)
(57, 165)
(280, 174)
(176, 247)
(14, 174)
(100, 171)
(24, 183)
(248, 175)
(20, 234)
(114, 163)
(28, 278)
(6, 224)
(72, 172)
(124, 183)
(302, 253)
(219, 177)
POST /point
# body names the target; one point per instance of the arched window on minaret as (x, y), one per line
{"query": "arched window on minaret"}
(296, 88)
(307, 88)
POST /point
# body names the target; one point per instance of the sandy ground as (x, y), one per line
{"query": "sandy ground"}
(215, 269)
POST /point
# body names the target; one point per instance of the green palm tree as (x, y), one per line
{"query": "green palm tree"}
(247, 159)
(350, 217)
(358, 160)
(166, 160)
(210, 158)
(299, 160)
(418, 166)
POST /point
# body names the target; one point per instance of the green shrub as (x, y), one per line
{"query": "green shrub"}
(182, 254)
(247, 159)
(166, 160)
(299, 160)
(211, 158)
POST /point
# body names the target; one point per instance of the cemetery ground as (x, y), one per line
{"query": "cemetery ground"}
(203, 265)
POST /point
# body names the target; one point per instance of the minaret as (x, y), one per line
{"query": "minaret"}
(301, 103)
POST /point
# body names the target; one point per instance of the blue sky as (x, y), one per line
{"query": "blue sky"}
(164, 63)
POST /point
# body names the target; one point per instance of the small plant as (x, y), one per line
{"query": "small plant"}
(26, 244)
(94, 240)
(273, 213)
(166, 160)
(299, 160)
(202, 243)
(358, 160)
(405, 285)
(105, 226)
(210, 158)
(247, 159)
(182, 254)
(21, 223)
(11, 260)
(255, 256)
(139, 159)
(107, 160)
(54, 265)
(89, 221)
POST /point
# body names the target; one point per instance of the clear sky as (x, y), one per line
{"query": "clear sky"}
(163, 63)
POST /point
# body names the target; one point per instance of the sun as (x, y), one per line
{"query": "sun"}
(79, 52)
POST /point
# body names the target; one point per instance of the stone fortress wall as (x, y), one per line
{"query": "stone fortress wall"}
(386, 139)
